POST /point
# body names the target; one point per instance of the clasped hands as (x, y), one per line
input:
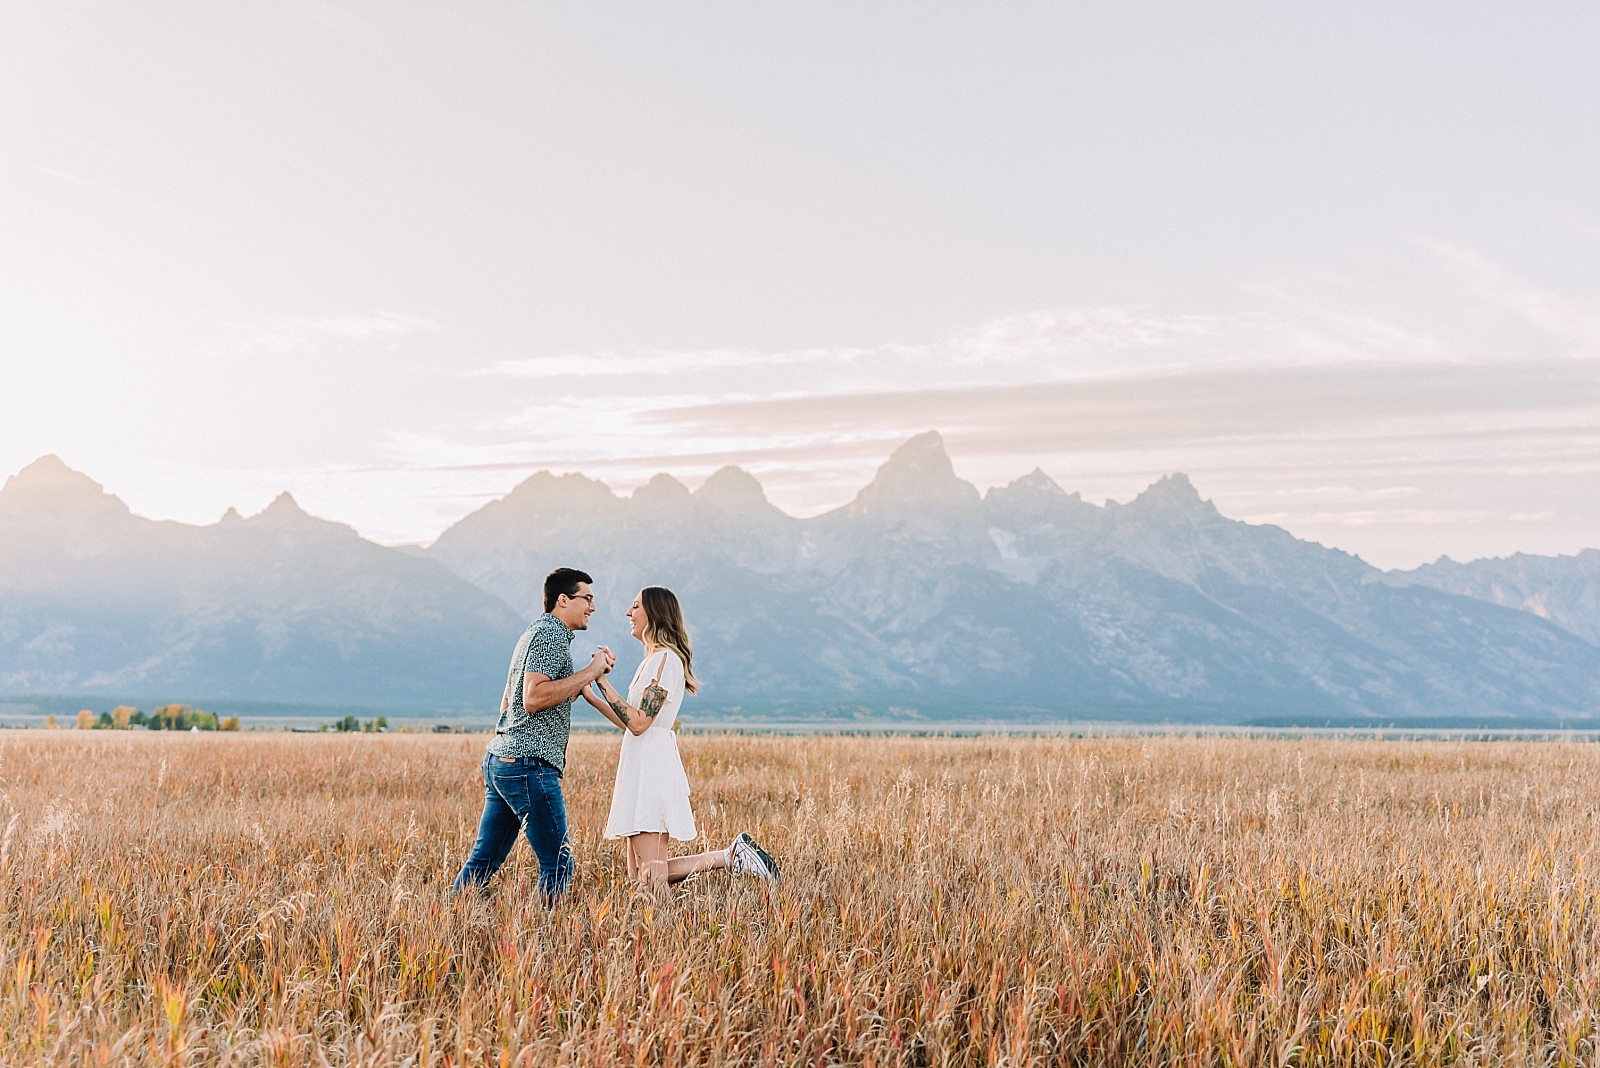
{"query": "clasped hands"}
(602, 662)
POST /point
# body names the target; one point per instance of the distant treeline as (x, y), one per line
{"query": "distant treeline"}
(183, 718)
(160, 718)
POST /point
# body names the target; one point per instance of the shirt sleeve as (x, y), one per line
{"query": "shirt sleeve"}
(546, 658)
(519, 659)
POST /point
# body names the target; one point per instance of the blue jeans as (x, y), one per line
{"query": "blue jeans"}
(523, 795)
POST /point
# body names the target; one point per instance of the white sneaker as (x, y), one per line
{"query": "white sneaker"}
(745, 856)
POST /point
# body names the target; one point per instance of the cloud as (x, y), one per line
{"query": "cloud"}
(301, 334)
(1575, 321)
(1397, 516)
(1190, 406)
(1050, 345)
(1320, 419)
(1080, 332)
(658, 363)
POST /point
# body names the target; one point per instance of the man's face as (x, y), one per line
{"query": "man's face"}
(575, 610)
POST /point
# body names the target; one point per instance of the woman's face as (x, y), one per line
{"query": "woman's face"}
(636, 617)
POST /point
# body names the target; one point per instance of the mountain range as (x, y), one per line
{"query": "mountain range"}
(920, 599)
(278, 607)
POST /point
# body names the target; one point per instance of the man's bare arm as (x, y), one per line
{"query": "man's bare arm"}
(540, 691)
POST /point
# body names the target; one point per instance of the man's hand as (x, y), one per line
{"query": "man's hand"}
(601, 662)
(540, 692)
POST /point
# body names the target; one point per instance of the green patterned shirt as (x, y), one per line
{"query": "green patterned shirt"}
(545, 647)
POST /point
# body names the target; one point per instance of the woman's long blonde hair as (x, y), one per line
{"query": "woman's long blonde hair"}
(663, 625)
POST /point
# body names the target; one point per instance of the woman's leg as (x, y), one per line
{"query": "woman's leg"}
(633, 857)
(680, 868)
(648, 860)
(677, 869)
(650, 852)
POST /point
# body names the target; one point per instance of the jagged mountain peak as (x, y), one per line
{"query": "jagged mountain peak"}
(734, 490)
(662, 493)
(280, 606)
(48, 474)
(1037, 479)
(545, 488)
(1033, 484)
(49, 486)
(916, 476)
(285, 518)
(1035, 498)
(49, 468)
(924, 452)
(284, 506)
(1170, 494)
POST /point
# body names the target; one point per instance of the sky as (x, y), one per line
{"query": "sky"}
(1340, 264)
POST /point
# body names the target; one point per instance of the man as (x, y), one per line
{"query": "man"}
(522, 767)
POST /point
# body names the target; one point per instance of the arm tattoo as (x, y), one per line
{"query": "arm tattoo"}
(654, 697)
(618, 705)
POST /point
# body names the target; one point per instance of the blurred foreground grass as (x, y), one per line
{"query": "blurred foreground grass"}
(275, 899)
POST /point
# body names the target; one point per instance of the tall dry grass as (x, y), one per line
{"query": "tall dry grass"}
(283, 900)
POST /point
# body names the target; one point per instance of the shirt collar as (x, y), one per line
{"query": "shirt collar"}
(552, 618)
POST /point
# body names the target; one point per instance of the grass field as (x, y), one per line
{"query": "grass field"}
(274, 899)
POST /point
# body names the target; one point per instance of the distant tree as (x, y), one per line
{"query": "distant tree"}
(180, 718)
(50, 722)
(122, 717)
(348, 723)
(138, 719)
(104, 723)
(229, 724)
(85, 720)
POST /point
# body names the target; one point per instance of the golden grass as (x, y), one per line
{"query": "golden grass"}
(274, 899)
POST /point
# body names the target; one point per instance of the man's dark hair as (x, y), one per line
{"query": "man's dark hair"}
(563, 581)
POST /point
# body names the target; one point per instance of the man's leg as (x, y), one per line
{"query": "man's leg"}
(497, 833)
(546, 828)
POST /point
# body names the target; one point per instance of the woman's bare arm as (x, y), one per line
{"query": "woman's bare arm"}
(635, 720)
(602, 707)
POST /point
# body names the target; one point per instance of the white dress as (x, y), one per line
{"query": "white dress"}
(652, 792)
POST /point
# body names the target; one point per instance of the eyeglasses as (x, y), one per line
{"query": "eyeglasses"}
(580, 597)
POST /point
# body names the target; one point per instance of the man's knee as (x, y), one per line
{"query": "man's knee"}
(472, 878)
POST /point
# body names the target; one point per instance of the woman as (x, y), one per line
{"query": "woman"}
(651, 798)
